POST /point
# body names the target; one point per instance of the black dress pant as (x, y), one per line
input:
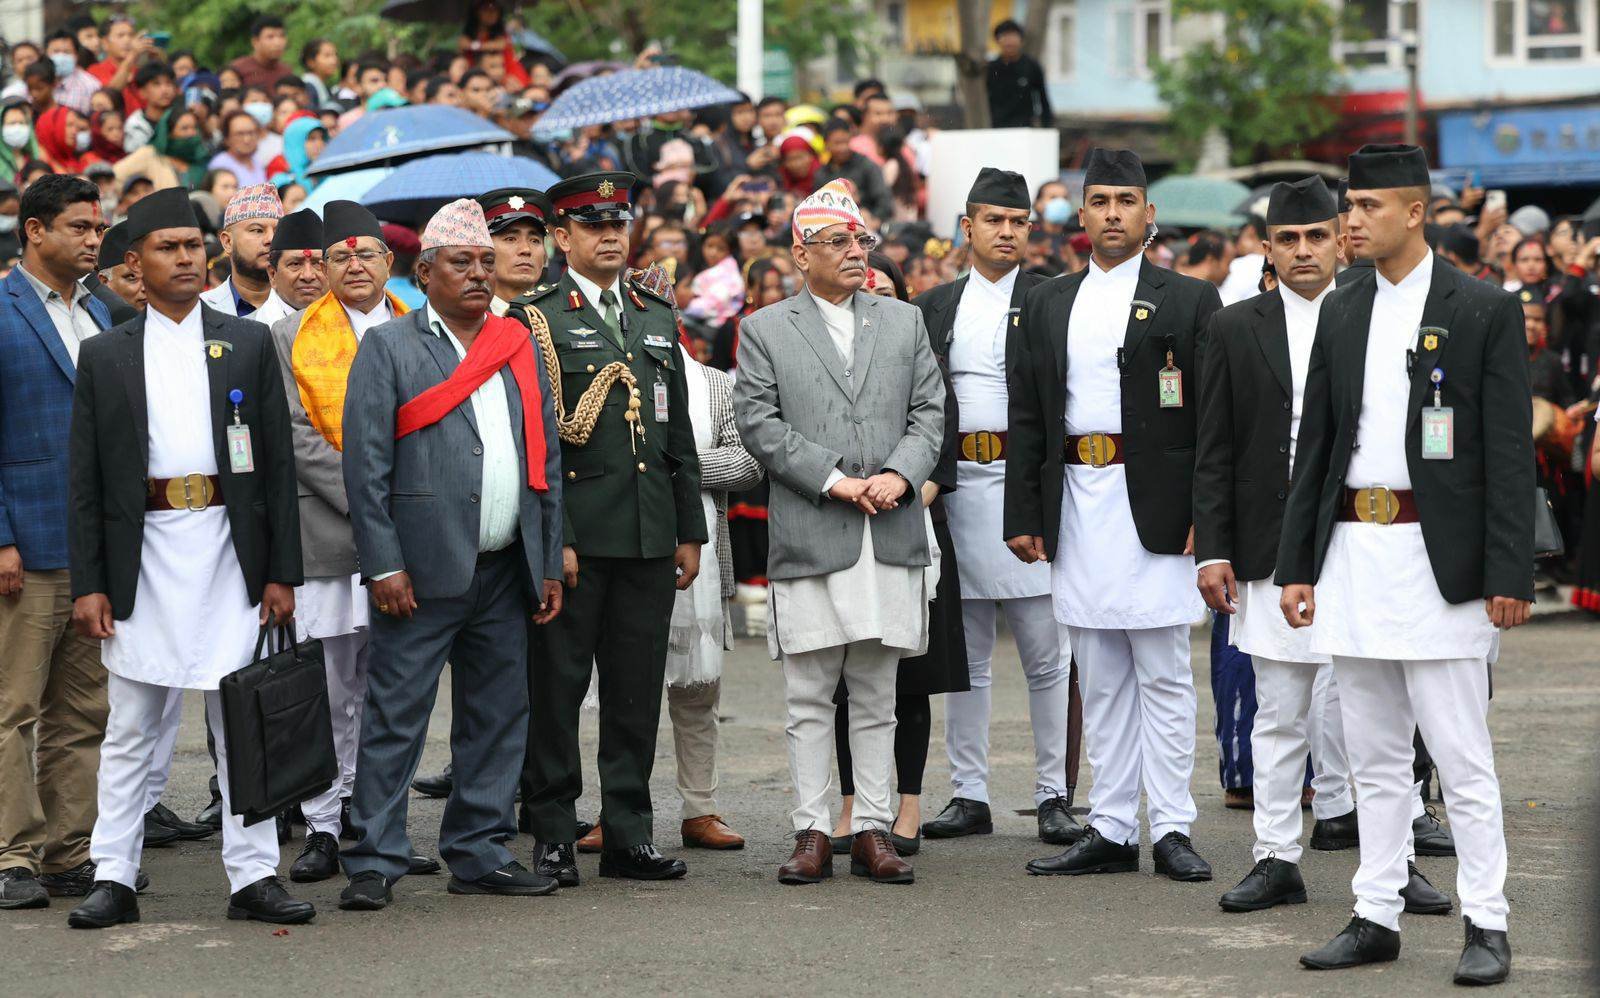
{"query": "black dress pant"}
(913, 723)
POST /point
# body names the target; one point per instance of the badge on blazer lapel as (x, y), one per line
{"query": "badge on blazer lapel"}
(1432, 336)
(1142, 310)
(214, 348)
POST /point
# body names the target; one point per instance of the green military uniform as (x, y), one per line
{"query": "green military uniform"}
(630, 500)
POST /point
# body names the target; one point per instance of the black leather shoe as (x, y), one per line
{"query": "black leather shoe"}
(1421, 897)
(367, 891)
(640, 863)
(1092, 853)
(840, 844)
(107, 904)
(904, 846)
(1486, 957)
(20, 889)
(157, 835)
(1360, 942)
(511, 880)
(438, 785)
(1272, 882)
(285, 829)
(212, 815)
(558, 861)
(960, 817)
(79, 881)
(582, 829)
(267, 901)
(1333, 834)
(1177, 860)
(347, 829)
(1430, 837)
(1057, 826)
(187, 830)
(319, 860)
(422, 866)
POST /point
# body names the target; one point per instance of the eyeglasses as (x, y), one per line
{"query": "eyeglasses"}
(343, 259)
(866, 240)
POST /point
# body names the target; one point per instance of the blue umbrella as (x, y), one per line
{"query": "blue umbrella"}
(632, 93)
(404, 133)
(412, 193)
(346, 186)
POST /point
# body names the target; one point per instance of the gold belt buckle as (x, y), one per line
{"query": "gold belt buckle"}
(981, 446)
(1096, 449)
(191, 492)
(1377, 505)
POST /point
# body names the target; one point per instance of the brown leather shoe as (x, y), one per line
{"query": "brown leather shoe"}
(592, 842)
(1242, 799)
(710, 832)
(872, 855)
(811, 862)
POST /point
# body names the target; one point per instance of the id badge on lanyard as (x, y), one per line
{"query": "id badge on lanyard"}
(1438, 425)
(241, 454)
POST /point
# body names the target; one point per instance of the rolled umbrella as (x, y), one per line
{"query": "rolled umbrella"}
(411, 194)
(393, 135)
(632, 93)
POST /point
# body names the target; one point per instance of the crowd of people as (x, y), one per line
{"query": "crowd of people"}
(727, 355)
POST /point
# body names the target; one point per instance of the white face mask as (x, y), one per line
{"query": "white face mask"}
(64, 65)
(82, 141)
(16, 135)
(8, 224)
(261, 111)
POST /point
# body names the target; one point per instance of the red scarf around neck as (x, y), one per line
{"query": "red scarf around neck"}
(501, 341)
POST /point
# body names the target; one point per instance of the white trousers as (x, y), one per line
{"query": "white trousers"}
(126, 757)
(166, 745)
(1041, 644)
(1297, 713)
(693, 710)
(1449, 700)
(345, 660)
(809, 680)
(1138, 727)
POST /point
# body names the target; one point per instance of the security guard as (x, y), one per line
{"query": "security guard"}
(634, 527)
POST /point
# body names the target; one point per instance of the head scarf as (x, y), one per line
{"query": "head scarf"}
(99, 145)
(296, 162)
(800, 185)
(191, 151)
(12, 160)
(51, 133)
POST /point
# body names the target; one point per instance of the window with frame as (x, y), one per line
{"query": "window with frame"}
(1544, 30)
(1061, 60)
(1141, 31)
(1382, 24)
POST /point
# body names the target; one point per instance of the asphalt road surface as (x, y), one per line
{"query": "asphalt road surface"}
(973, 923)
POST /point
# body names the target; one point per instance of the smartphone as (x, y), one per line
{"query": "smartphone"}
(757, 186)
(1494, 199)
(161, 39)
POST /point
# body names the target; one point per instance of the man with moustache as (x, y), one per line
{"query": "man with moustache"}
(1102, 373)
(248, 224)
(1407, 540)
(294, 266)
(969, 321)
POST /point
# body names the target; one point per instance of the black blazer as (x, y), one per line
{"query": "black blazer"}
(1158, 444)
(1241, 472)
(1476, 509)
(939, 307)
(109, 455)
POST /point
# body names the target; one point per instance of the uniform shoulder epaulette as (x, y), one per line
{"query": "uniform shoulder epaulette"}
(531, 296)
(649, 292)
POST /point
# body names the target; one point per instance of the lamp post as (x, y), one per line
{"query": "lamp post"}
(1408, 40)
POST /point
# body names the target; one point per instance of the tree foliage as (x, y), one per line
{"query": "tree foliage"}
(218, 31)
(1265, 82)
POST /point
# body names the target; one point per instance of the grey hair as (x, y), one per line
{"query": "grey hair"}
(427, 255)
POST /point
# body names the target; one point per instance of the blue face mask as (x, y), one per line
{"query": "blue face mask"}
(1058, 211)
(261, 111)
(64, 64)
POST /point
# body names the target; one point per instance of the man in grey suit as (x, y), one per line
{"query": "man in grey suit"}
(453, 472)
(839, 397)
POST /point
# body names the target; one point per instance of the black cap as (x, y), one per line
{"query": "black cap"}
(1113, 168)
(506, 205)
(1342, 195)
(164, 209)
(1460, 241)
(1001, 188)
(1302, 202)
(594, 197)
(298, 230)
(113, 247)
(343, 220)
(1376, 166)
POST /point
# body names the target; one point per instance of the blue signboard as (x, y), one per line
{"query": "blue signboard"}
(1523, 148)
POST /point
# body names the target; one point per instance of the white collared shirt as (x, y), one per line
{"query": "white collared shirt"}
(1300, 319)
(591, 292)
(361, 321)
(72, 320)
(978, 351)
(500, 493)
(1099, 324)
(1379, 457)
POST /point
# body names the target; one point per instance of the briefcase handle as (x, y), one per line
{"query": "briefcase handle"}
(285, 639)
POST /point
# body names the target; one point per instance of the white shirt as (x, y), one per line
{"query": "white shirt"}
(840, 321)
(1379, 457)
(273, 309)
(500, 492)
(72, 320)
(361, 321)
(1300, 318)
(1099, 324)
(1243, 280)
(978, 351)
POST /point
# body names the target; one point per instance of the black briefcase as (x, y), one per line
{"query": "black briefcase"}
(1547, 540)
(280, 734)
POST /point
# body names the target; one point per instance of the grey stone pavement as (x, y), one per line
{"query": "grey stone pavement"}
(973, 923)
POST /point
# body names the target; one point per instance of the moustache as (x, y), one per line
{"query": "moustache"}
(474, 286)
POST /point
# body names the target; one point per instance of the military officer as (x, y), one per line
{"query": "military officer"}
(633, 530)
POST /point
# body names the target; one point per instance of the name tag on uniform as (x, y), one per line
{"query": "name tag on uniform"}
(241, 457)
(661, 401)
(584, 345)
(1438, 433)
(1171, 382)
(656, 341)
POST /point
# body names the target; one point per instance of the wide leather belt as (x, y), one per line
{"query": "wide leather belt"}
(1094, 449)
(192, 492)
(983, 446)
(1378, 505)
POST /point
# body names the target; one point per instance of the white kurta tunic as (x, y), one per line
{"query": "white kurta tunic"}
(1258, 627)
(192, 622)
(1377, 597)
(699, 630)
(1103, 577)
(989, 570)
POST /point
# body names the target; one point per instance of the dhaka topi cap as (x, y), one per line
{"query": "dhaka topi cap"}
(1302, 202)
(1377, 166)
(299, 230)
(1342, 195)
(459, 223)
(113, 247)
(346, 220)
(255, 201)
(1001, 188)
(164, 209)
(833, 203)
(1113, 168)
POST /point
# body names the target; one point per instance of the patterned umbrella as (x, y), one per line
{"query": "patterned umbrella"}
(411, 194)
(396, 134)
(632, 93)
